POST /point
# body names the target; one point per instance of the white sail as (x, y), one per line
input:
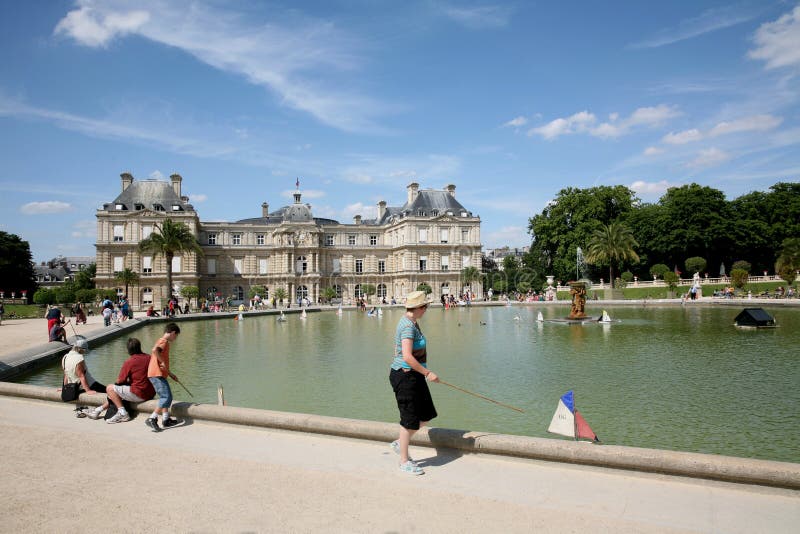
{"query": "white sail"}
(563, 421)
(539, 317)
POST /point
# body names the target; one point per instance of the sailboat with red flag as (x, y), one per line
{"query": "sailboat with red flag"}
(568, 421)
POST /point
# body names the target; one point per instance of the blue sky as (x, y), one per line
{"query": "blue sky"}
(509, 101)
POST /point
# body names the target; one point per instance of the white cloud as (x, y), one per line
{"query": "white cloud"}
(653, 151)
(366, 212)
(778, 42)
(45, 208)
(478, 17)
(516, 122)
(709, 158)
(708, 21)
(681, 138)
(512, 236)
(157, 175)
(650, 189)
(294, 57)
(198, 198)
(755, 123)
(583, 122)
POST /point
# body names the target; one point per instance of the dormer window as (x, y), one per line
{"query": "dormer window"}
(434, 213)
(463, 213)
(138, 206)
(420, 213)
(450, 213)
(176, 207)
(158, 207)
(119, 206)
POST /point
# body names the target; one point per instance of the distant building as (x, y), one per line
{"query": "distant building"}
(429, 238)
(58, 270)
(498, 254)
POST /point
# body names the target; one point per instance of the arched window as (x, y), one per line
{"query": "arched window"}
(338, 290)
(238, 293)
(301, 265)
(381, 291)
(358, 293)
(445, 289)
(301, 292)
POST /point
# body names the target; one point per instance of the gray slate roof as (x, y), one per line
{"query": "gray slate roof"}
(427, 201)
(148, 194)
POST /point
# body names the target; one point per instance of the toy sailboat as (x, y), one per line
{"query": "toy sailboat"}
(539, 317)
(569, 422)
(303, 315)
(606, 318)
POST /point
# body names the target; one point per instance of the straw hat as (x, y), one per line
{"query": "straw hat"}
(416, 299)
(81, 343)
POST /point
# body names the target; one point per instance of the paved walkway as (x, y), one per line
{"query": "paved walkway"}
(62, 473)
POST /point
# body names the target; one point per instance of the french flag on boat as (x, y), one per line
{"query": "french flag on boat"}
(569, 422)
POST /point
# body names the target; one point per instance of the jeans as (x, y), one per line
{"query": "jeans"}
(164, 392)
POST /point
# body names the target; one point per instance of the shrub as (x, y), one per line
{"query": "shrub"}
(671, 279)
(739, 277)
(787, 274)
(659, 270)
(695, 264)
(627, 277)
(85, 295)
(425, 287)
(64, 295)
(44, 296)
(742, 265)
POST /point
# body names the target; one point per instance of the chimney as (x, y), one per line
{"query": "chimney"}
(176, 184)
(381, 209)
(412, 188)
(451, 189)
(357, 219)
(264, 209)
(127, 179)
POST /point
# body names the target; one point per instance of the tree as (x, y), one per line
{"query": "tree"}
(739, 277)
(16, 265)
(85, 295)
(568, 221)
(190, 292)
(789, 257)
(328, 294)
(469, 275)
(127, 277)
(672, 280)
(659, 269)
(425, 287)
(85, 278)
(64, 294)
(368, 290)
(44, 296)
(256, 290)
(742, 266)
(613, 244)
(280, 295)
(167, 239)
(695, 264)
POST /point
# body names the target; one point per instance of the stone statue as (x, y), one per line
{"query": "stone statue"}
(578, 292)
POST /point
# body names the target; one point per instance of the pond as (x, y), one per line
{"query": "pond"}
(680, 378)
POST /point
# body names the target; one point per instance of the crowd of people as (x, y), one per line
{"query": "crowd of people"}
(141, 377)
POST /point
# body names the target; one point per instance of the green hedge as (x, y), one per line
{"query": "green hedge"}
(639, 293)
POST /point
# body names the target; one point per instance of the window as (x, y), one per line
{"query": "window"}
(423, 263)
(445, 263)
(373, 240)
(301, 292)
(138, 206)
(212, 265)
(465, 235)
(329, 240)
(421, 213)
(158, 207)
(212, 238)
(444, 235)
(238, 293)
(463, 213)
(119, 232)
(301, 265)
(434, 213)
(262, 266)
(146, 231)
(466, 260)
(337, 266)
(119, 206)
(237, 265)
(118, 263)
(72, 266)
(147, 296)
(351, 240)
(381, 291)
(358, 293)
(237, 239)
(423, 235)
(260, 239)
(147, 264)
(359, 266)
(176, 264)
(445, 289)
(381, 266)
(176, 207)
(338, 290)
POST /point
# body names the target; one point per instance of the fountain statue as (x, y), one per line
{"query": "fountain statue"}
(578, 292)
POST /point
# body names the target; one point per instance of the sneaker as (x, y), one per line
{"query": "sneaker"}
(93, 414)
(152, 424)
(395, 445)
(171, 422)
(411, 468)
(119, 417)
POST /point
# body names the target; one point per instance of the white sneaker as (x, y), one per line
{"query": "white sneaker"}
(94, 414)
(119, 417)
(395, 445)
(411, 468)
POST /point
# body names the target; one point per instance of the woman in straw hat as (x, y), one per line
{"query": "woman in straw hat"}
(408, 376)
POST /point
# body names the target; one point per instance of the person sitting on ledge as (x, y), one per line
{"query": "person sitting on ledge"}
(57, 333)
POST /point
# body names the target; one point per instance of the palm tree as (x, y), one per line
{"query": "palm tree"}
(168, 239)
(280, 294)
(469, 275)
(612, 244)
(128, 277)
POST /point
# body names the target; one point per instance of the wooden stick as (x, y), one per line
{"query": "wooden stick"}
(184, 387)
(480, 396)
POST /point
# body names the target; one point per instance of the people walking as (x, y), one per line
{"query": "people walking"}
(157, 373)
(408, 377)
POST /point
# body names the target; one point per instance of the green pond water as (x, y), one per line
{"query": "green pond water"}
(680, 378)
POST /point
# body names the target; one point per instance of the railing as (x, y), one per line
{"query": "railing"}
(682, 282)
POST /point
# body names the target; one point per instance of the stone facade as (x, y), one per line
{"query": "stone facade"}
(429, 239)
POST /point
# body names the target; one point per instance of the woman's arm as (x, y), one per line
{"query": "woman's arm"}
(80, 370)
(408, 357)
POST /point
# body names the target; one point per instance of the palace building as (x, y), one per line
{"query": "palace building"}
(428, 239)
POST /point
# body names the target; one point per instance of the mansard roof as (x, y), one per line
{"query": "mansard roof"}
(149, 194)
(428, 202)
